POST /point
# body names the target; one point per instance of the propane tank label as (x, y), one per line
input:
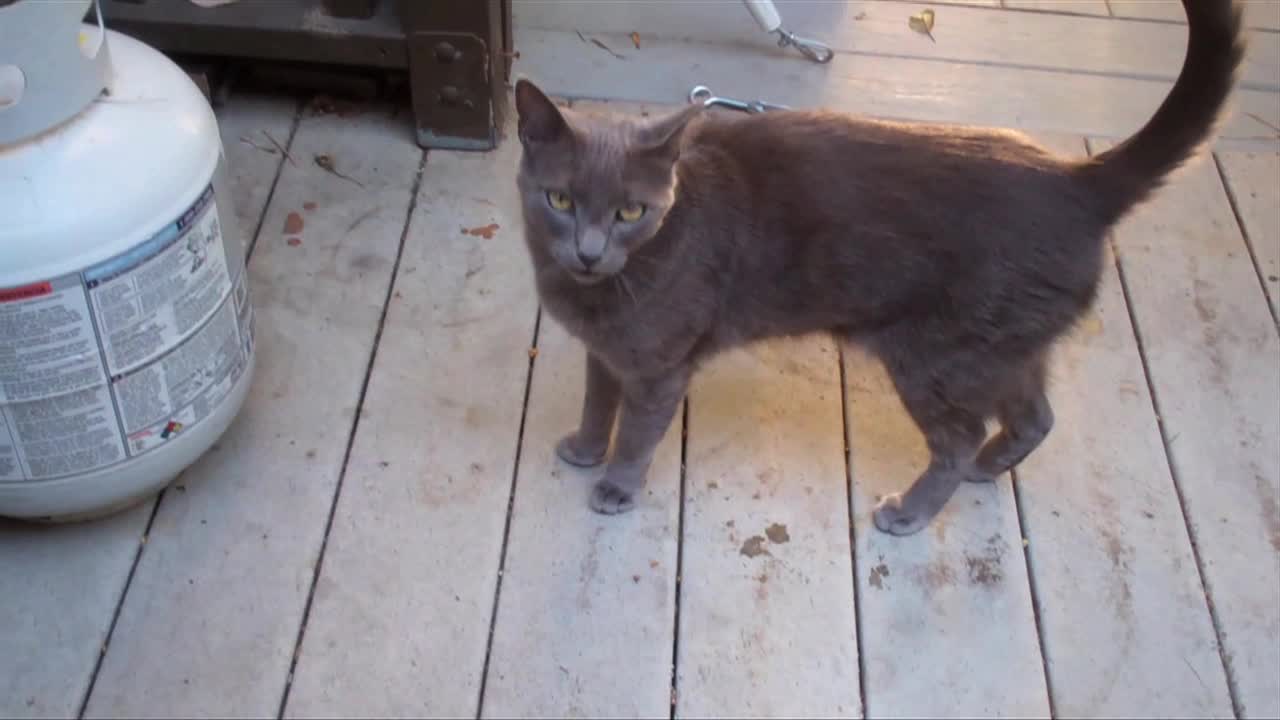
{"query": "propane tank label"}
(159, 400)
(10, 471)
(111, 362)
(157, 294)
(58, 416)
(49, 346)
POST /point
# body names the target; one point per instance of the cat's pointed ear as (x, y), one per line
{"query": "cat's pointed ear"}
(540, 121)
(665, 136)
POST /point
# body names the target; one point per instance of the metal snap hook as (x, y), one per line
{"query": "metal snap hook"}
(812, 49)
(702, 94)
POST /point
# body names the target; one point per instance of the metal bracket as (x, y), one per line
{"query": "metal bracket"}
(452, 91)
(457, 53)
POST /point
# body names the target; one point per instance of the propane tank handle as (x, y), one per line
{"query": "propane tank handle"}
(52, 65)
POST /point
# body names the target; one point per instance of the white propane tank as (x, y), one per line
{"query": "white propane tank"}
(126, 332)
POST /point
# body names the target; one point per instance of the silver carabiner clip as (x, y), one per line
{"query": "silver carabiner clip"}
(812, 49)
(702, 94)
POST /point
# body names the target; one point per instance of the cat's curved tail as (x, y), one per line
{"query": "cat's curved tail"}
(1127, 174)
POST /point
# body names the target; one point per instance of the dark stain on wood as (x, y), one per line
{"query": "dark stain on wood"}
(878, 574)
(483, 231)
(754, 546)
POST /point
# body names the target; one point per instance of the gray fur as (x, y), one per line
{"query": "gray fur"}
(956, 256)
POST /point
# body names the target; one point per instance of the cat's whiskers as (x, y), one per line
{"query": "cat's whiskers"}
(653, 262)
(622, 280)
(615, 284)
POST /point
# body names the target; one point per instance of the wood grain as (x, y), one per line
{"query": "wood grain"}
(1212, 352)
(1251, 180)
(1126, 628)
(212, 616)
(888, 87)
(62, 584)
(945, 614)
(402, 608)
(767, 625)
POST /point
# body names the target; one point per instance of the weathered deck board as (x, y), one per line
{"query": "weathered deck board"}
(1044, 41)
(402, 608)
(61, 584)
(210, 622)
(1126, 629)
(1262, 14)
(1211, 351)
(840, 25)
(249, 123)
(1084, 7)
(946, 618)
(400, 617)
(1149, 9)
(1251, 179)
(587, 613)
(890, 87)
(767, 625)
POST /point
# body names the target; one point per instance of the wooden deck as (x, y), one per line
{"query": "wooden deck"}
(386, 532)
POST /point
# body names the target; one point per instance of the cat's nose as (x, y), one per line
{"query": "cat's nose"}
(590, 245)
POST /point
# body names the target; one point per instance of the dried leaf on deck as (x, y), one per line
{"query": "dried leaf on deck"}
(606, 48)
(325, 162)
(922, 22)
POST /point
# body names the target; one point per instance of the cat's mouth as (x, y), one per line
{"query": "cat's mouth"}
(587, 277)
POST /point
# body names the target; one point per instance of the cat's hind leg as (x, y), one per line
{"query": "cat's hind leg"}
(1026, 418)
(947, 394)
(953, 438)
(588, 446)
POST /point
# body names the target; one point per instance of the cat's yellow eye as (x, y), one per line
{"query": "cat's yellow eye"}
(559, 200)
(631, 213)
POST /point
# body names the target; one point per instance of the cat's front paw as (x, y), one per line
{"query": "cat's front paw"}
(891, 517)
(572, 450)
(608, 499)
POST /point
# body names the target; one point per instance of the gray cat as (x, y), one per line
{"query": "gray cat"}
(956, 256)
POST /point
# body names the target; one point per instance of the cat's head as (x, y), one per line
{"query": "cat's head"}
(594, 188)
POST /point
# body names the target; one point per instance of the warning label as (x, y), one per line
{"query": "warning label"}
(159, 400)
(49, 347)
(109, 363)
(9, 469)
(244, 314)
(66, 434)
(28, 291)
(156, 295)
